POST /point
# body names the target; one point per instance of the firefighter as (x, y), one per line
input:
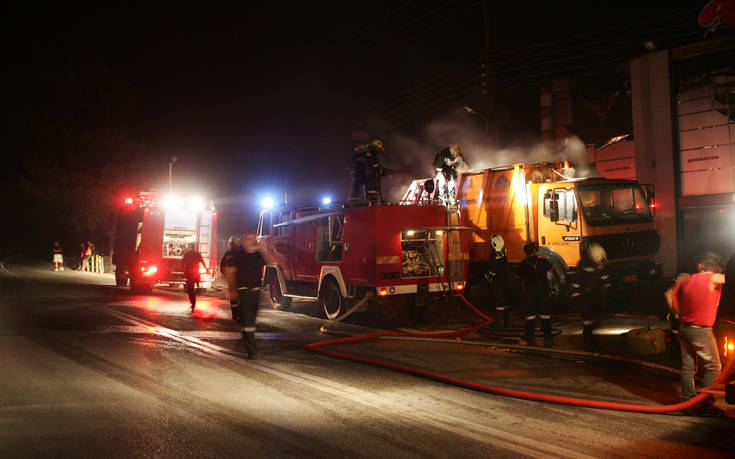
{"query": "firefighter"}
(593, 280)
(448, 163)
(191, 262)
(366, 171)
(499, 277)
(246, 272)
(533, 272)
(235, 244)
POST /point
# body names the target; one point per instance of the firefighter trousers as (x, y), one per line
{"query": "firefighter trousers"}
(191, 285)
(248, 299)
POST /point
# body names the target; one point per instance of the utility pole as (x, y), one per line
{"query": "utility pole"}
(486, 90)
(171, 174)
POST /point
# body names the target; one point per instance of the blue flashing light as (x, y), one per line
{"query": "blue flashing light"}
(326, 201)
(267, 203)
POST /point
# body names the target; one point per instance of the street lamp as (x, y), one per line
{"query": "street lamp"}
(472, 111)
(171, 173)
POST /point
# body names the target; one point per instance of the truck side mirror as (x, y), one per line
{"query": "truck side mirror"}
(554, 210)
(650, 191)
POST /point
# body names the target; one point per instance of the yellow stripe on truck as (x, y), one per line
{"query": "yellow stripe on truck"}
(387, 260)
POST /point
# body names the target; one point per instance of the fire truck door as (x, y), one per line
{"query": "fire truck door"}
(559, 227)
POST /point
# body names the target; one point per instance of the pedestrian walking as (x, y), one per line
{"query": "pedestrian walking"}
(694, 300)
(593, 280)
(191, 262)
(58, 256)
(536, 294)
(228, 260)
(247, 273)
(499, 278)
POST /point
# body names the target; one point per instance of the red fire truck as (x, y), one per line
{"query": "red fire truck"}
(153, 232)
(339, 254)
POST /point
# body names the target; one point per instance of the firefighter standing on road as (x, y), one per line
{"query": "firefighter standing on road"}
(593, 279)
(449, 163)
(366, 171)
(246, 272)
(499, 277)
(228, 260)
(536, 294)
(191, 262)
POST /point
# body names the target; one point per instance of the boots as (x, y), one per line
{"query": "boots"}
(590, 342)
(235, 311)
(529, 338)
(548, 337)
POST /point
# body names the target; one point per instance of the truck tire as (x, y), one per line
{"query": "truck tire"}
(331, 298)
(278, 301)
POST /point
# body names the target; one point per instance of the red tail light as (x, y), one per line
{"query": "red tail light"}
(460, 286)
(382, 291)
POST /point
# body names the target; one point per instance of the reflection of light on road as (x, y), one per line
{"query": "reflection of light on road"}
(152, 302)
(613, 331)
(205, 310)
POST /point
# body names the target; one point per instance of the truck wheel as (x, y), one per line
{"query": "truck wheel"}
(331, 299)
(278, 301)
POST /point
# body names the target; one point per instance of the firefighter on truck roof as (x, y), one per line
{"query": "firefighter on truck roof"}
(366, 171)
(449, 163)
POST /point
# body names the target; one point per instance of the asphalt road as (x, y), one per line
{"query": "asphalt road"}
(92, 370)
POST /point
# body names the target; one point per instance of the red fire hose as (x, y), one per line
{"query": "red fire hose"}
(318, 348)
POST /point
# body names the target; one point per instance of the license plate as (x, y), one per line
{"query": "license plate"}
(630, 278)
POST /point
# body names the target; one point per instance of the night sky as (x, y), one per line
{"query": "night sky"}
(260, 97)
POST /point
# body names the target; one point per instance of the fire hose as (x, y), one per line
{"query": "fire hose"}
(318, 347)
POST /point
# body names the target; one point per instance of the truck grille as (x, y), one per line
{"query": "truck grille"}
(626, 245)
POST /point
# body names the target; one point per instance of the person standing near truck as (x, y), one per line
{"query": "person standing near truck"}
(499, 277)
(228, 260)
(593, 279)
(695, 300)
(246, 272)
(536, 294)
(191, 262)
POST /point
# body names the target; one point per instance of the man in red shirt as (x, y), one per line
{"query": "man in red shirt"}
(694, 300)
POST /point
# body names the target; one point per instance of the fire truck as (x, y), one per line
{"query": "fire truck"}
(153, 232)
(340, 254)
(544, 203)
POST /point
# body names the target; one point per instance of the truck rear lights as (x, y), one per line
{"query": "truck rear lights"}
(460, 286)
(148, 270)
(728, 346)
(382, 291)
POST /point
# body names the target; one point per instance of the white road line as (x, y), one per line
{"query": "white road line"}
(453, 424)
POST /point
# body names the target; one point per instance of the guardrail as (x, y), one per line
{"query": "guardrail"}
(95, 264)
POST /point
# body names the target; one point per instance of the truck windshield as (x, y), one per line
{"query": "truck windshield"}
(613, 204)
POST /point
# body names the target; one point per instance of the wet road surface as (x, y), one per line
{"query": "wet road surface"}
(92, 370)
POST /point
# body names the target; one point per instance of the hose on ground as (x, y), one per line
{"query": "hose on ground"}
(318, 347)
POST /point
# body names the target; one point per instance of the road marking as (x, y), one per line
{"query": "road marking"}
(453, 424)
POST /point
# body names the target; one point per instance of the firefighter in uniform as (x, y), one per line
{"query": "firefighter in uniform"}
(191, 262)
(499, 277)
(366, 171)
(536, 293)
(593, 280)
(227, 261)
(448, 163)
(246, 272)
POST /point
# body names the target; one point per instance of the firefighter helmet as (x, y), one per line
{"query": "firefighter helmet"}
(596, 253)
(235, 241)
(456, 148)
(497, 242)
(377, 144)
